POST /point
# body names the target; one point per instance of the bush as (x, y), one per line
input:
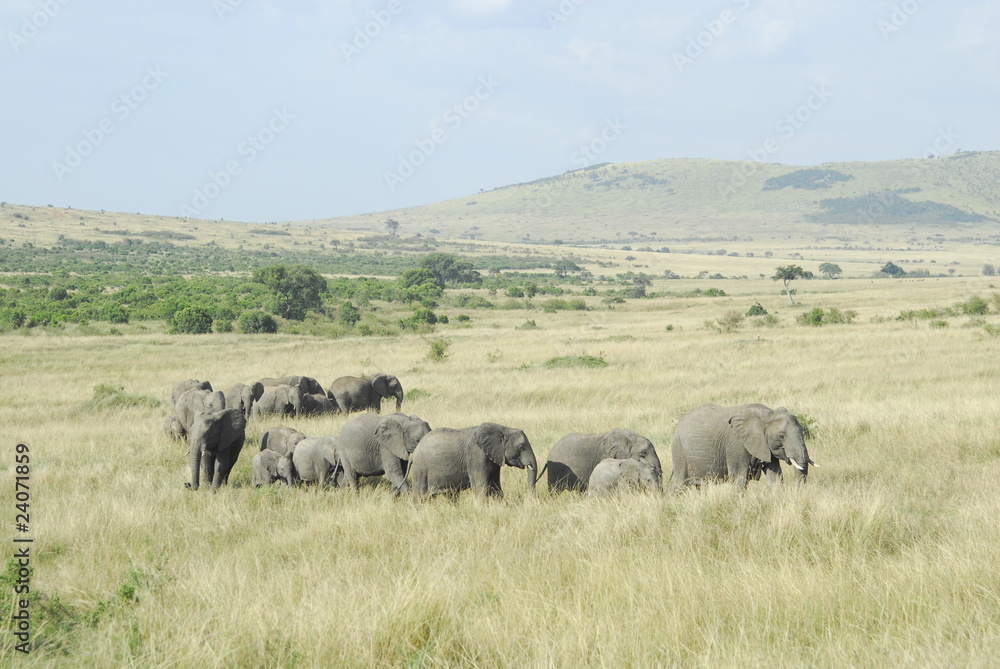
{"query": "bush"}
(257, 322)
(576, 361)
(756, 310)
(974, 306)
(814, 317)
(191, 320)
(438, 349)
(730, 322)
(714, 292)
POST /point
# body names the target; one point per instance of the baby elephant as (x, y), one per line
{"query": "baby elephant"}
(314, 459)
(611, 475)
(269, 467)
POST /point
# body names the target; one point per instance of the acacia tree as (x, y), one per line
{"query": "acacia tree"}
(830, 270)
(392, 225)
(787, 274)
(296, 289)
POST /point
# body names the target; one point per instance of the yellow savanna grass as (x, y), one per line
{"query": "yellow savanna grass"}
(888, 556)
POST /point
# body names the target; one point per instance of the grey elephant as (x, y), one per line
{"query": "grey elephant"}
(314, 459)
(305, 384)
(573, 458)
(736, 444)
(449, 460)
(182, 387)
(613, 474)
(315, 404)
(281, 439)
(352, 393)
(269, 466)
(242, 396)
(197, 401)
(172, 428)
(373, 445)
(216, 439)
(283, 400)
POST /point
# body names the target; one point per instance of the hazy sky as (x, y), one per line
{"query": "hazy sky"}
(261, 110)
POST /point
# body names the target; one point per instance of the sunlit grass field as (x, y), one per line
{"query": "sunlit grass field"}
(889, 555)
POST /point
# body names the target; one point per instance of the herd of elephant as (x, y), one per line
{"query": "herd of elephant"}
(711, 442)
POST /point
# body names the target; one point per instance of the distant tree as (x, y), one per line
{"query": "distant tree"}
(348, 314)
(296, 289)
(830, 270)
(191, 320)
(989, 270)
(565, 265)
(893, 270)
(786, 275)
(257, 322)
(392, 226)
(449, 268)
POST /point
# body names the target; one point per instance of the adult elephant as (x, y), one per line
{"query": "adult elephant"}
(352, 393)
(269, 466)
(449, 460)
(283, 400)
(197, 401)
(314, 459)
(572, 460)
(373, 445)
(281, 439)
(182, 387)
(611, 475)
(242, 396)
(216, 439)
(737, 443)
(305, 384)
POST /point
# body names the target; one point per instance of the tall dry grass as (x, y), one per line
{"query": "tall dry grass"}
(889, 556)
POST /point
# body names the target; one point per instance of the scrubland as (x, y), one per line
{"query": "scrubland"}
(888, 556)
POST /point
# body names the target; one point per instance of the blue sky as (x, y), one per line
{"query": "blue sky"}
(261, 110)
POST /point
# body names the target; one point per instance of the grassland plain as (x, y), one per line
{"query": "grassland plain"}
(889, 556)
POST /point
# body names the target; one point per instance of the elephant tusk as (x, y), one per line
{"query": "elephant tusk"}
(812, 464)
(797, 465)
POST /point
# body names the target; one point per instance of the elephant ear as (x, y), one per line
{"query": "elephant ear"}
(232, 427)
(390, 433)
(490, 438)
(380, 382)
(615, 444)
(749, 429)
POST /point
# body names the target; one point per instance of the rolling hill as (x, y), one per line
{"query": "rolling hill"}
(687, 199)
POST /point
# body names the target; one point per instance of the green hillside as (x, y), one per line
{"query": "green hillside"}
(678, 199)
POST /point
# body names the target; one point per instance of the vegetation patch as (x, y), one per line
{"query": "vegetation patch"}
(113, 398)
(576, 361)
(809, 179)
(888, 207)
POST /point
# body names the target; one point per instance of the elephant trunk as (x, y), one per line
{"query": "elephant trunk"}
(399, 399)
(798, 458)
(195, 465)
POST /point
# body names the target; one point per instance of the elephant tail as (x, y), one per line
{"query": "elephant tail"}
(541, 471)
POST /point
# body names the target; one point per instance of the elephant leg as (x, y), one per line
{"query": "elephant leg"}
(772, 472)
(350, 475)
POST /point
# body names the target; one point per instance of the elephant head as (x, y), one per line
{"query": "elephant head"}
(400, 433)
(509, 446)
(777, 434)
(387, 385)
(624, 444)
(285, 468)
(288, 400)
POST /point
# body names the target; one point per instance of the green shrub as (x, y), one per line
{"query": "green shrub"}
(756, 310)
(191, 320)
(576, 361)
(257, 322)
(730, 322)
(438, 349)
(714, 292)
(348, 314)
(813, 317)
(528, 325)
(462, 318)
(974, 306)
(514, 291)
(939, 324)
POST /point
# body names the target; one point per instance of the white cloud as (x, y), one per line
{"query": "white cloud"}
(482, 7)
